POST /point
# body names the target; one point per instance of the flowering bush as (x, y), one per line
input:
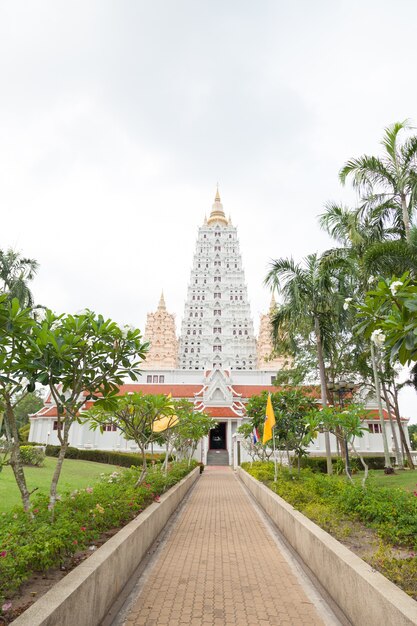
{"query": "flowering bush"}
(32, 455)
(28, 546)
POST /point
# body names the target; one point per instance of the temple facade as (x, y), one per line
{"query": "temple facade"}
(217, 363)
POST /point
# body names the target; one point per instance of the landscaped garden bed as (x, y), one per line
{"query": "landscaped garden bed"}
(378, 523)
(83, 519)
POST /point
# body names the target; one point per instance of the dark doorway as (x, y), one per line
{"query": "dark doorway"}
(218, 437)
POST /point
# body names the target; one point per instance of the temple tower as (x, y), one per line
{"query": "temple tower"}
(160, 332)
(217, 329)
(264, 346)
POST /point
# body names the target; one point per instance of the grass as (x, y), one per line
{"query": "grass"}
(75, 475)
(405, 479)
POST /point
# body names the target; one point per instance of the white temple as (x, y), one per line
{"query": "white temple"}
(216, 363)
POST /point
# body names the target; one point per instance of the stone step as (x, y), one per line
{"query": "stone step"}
(217, 457)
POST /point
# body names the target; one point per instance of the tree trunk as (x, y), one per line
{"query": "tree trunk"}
(15, 457)
(401, 430)
(144, 468)
(380, 409)
(323, 386)
(406, 218)
(58, 467)
(398, 454)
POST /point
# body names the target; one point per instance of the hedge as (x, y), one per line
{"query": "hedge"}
(111, 457)
(125, 459)
(319, 464)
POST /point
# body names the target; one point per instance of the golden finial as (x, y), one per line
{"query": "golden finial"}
(217, 198)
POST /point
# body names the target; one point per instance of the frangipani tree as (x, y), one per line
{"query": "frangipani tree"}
(343, 422)
(78, 357)
(189, 429)
(16, 326)
(388, 316)
(134, 415)
(255, 449)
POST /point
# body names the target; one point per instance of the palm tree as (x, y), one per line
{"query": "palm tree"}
(309, 305)
(388, 184)
(367, 248)
(15, 272)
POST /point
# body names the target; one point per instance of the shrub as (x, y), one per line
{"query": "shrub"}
(24, 433)
(28, 545)
(33, 455)
(391, 512)
(319, 464)
(111, 457)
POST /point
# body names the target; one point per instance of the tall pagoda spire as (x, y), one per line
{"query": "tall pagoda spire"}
(217, 330)
(161, 335)
(217, 213)
(162, 305)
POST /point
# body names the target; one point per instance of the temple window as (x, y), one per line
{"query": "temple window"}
(155, 379)
(149, 379)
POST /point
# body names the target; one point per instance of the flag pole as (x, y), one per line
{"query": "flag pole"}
(275, 456)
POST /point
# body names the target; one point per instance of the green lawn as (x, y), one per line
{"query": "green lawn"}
(75, 475)
(406, 479)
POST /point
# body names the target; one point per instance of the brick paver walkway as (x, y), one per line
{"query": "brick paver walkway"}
(220, 566)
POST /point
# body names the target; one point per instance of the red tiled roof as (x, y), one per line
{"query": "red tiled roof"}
(219, 411)
(374, 415)
(177, 391)
(247, 391)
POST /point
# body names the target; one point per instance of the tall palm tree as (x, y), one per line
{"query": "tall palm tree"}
(15, 273)
(309, 305)
(367, 248)
(388, 184)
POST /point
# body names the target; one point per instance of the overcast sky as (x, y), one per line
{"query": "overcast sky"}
(118, 118)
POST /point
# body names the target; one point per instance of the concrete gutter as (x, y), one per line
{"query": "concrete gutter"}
(362, 594)
(86, 594)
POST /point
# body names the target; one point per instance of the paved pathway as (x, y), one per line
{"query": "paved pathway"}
(221, 566)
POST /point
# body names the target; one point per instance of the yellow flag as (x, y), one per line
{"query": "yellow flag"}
(164, 422)
(269, 421)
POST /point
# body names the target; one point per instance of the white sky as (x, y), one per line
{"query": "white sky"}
(117, 118)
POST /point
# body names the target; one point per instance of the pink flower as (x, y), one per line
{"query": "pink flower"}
(75, 542)
(3, 554)
(36, 510)
(6, 606)
(156, 498)
(89, 489)
(83, 528)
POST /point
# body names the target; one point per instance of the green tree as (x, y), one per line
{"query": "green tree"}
(345, 423)
(134, 415)
(311, 305)
(290, 408)
(15, 273)
(78, 357)
(189, 429)
(388, 184)
(16, 324)
(27, 403)
(412, 430)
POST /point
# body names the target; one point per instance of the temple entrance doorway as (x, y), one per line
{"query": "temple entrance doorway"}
(218, 437)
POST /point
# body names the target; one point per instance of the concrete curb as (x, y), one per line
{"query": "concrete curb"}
(86, 594)
(363, 595)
